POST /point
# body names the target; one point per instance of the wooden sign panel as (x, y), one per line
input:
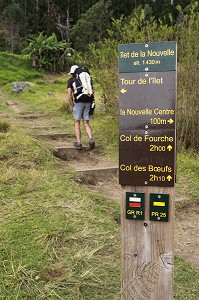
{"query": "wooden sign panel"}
(147, 57)
(147, 123)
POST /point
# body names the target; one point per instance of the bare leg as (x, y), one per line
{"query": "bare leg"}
(88, 129)
(78, 130)
(89, 133)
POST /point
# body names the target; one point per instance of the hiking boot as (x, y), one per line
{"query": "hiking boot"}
(91, 144)
(78, 145)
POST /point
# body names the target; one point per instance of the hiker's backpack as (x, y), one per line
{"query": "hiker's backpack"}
(82, 84)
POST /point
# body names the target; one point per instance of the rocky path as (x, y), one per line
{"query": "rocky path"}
(93, 168)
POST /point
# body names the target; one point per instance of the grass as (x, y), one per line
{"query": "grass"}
(4, 126)
(58, 239)
(186, 281)
(188, 175)
(15, 68)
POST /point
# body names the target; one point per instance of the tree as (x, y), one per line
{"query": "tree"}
(47, 53)
(162, 8)
(92, 26)
(13, 22)
(3, 43)
(187, 29)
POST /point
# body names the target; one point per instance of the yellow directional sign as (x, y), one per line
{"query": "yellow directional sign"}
(169, 147)
(147, 129)
(170, 121)
(169, 178)
(123, 91)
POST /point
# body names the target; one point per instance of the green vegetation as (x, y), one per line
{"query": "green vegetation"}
(92, 28)
(47, 53)
(4, 126)
(139, 28)
(15, 68)
(188, 175)
(79, 22)
(58, 239)
(90, 33)
(186, 280)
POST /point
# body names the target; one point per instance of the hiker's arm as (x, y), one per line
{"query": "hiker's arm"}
(70, 97)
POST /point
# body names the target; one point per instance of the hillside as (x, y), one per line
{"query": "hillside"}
(15, 68)
(60, 233)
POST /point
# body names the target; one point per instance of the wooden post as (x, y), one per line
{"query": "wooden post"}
(147, 134)
(147, 251)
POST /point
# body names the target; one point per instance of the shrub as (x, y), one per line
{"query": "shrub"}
(4, 126)
(47, 53)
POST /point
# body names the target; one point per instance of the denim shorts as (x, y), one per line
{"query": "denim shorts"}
(81, 111)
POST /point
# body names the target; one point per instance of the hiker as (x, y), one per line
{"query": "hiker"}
(80, 99)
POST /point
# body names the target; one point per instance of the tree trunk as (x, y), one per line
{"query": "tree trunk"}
(12, 37)
(37, 15)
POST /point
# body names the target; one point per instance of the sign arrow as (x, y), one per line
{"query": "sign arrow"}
(123, 91)
(169, 178)
(169, 147)
(170, 121)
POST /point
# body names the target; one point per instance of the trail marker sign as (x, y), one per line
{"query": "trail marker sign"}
(135, 206)
(147, 57)
(147, 168)
(147, 110)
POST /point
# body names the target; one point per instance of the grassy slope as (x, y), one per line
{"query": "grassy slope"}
(15, 68)
(59, 241)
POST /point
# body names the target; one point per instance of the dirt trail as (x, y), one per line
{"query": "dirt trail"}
(100, 175)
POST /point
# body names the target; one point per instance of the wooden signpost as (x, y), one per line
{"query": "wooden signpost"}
(147, 149)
